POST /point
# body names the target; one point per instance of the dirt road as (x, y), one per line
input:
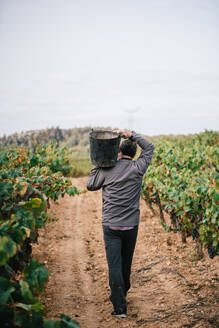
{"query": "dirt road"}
(170, 288)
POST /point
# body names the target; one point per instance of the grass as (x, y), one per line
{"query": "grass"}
(80, 167)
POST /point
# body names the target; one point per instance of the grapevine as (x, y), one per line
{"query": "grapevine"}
(183, 180)
(27, 182)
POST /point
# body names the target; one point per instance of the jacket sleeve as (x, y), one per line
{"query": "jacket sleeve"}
(145, 157)
(95, 179)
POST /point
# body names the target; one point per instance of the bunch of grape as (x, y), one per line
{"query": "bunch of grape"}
(211, 251)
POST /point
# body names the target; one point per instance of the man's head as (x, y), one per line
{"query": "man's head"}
(128, 148)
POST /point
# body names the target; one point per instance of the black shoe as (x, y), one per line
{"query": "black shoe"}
(118, 314)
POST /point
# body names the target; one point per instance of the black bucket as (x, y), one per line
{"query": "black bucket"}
(104, 147)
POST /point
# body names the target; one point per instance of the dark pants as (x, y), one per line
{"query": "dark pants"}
(119, 247)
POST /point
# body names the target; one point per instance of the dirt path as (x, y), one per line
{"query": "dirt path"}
(169, 287)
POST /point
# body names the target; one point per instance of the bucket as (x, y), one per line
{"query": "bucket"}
(104, 147)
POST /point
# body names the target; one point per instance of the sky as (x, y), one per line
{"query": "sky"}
(147, 65)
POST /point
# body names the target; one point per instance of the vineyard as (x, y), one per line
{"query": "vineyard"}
(28, 182)
(181, 184)
(183, 180)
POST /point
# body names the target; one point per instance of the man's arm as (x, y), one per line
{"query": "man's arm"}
(95, 179)
(147, 147)
(145, 157)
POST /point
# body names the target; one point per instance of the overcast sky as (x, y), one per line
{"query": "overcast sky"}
(147, 65)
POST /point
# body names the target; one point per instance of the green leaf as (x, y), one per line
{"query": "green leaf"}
(36, 274)
(35, 202)
(5, 295)
(41, 220)
(24, 218)
(8, 249)
(165, 226)
(26, 293)
(25, 319)
(67, 322)
(9, 270)
(35, 307)
(36, 321)
(6, 288)
(49, 323)
(26, 307)
(215, 195)
(20, 318)
(6, 190)
(71, 191)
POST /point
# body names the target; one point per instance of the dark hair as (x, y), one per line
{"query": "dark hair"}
(128, 148)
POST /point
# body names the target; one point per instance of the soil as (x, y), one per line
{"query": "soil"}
(171, 287)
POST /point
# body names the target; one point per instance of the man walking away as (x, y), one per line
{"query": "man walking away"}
(121, 189)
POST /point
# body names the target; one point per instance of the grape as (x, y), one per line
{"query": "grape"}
(200, 217)
(211, 251)
(195, 233)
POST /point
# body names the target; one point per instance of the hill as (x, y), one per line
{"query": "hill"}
(75, 138)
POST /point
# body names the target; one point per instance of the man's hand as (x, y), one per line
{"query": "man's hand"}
(124, 133)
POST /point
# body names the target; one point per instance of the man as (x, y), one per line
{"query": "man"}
(121, 189)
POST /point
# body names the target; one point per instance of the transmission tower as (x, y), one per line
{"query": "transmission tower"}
(131, 116)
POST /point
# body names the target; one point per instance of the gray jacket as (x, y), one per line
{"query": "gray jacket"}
(121, 186)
